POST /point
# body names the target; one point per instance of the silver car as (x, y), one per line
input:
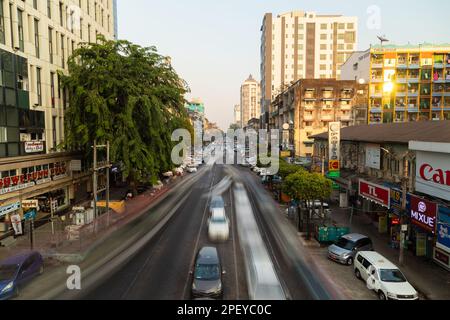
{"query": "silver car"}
(346, 248)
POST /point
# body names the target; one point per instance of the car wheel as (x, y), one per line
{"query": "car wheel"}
(349, 261)
(381, 295)
(358, 274)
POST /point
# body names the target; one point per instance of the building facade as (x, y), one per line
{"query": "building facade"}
(303, 45)
(36, 40)
(250, 100)
(378, 161)
(238, 115)
(406, 83)
(309, 105)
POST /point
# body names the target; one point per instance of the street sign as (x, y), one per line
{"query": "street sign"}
(30, 215)
(334, 174)
(334, 165)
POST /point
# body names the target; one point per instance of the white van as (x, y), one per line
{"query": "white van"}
(383, 277)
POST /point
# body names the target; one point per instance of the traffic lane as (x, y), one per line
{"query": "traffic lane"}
(160, 269)
(295, 266)
(234, 281)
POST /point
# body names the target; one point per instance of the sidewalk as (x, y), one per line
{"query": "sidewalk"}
(49, 244)
(428, 278)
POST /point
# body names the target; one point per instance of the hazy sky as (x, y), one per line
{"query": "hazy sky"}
(214, 44)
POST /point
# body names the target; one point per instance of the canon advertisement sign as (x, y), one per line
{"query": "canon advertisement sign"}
(423, 214)
(433, 174)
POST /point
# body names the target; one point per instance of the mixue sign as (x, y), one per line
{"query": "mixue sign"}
(423, 214)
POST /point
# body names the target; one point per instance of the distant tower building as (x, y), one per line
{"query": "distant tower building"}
(250, 100)
(116, 21)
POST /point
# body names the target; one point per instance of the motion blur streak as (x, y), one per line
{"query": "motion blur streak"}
(262, 280)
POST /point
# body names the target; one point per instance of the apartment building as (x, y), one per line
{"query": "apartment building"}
(36, 39)
(308, 106)
(303, 45)
(250, 100)
(406, 83)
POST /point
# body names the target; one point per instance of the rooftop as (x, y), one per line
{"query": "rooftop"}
(403, 133)
(423, 46)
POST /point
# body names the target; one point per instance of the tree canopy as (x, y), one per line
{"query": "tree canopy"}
(305, 186)
(128, 95)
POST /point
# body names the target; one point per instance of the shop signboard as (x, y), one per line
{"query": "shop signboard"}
(423, 214)
(9, 208)
(443, 236)
(397, 199)
(442, 258)
(433, 174)
(34, 146)
(30, 204)
(376, 193)
(24, 181)
(373, 156)
(30, 215)
(16, 221)
(334, 139)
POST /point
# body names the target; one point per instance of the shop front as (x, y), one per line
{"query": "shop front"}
(395, 216)
(423, 215)
(6, 212)
(442, 250)
(376, 200)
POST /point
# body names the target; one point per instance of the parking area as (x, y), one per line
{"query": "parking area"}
(342, 275)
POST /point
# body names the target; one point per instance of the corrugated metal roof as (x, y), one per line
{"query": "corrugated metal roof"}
(426, 131)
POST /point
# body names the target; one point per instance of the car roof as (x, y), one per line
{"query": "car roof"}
(208, 255)
(378, 260)
(18, 259)
(355, 237)
(218, 212)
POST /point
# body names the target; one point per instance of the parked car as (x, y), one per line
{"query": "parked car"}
(17, 271)
(207, 274)
(383, 277)
(218, 225)
(191, 169)
(346, 248)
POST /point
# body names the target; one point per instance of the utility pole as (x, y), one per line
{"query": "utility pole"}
(403, 212)
(98, 166)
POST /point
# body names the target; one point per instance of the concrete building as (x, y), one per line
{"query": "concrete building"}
(406, 83)
(303, 45)
(308, 106)
(36, 39)
(373, 163)
(250, 100)
(238, 115)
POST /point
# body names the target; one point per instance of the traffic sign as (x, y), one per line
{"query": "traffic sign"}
(30, 215)
(334, 174)
(334, 165)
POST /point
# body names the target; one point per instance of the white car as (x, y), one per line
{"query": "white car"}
(383, 277)
(218, 225)
(191, 169)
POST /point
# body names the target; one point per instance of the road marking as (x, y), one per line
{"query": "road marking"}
(234, 228)
(199, 234)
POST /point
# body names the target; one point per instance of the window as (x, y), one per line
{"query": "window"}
(350, 37)
(54, 132)
(52, 88)
(2, 23)
(36, 37)
(39, 86)
(323, 26)
(366, 264)
(63, 56)
(323, 47)
(50, 44)
(11, 26)
(49, 9)
(61, 14)
(323, 36)
(20, 29)
(323, 57)
(350, 25)
(341, 26)
(89, 33)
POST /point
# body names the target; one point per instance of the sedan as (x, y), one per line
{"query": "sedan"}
(18, 270)
(207, 275)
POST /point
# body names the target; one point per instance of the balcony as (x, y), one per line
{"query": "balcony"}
(376, 94)
(346, 117)
(327, 118)
(346, 107)
(309, 107)
(308, 117)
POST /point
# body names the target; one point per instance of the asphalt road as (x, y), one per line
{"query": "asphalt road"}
(160, 271)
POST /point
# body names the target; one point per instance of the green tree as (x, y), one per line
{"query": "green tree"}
(305, 188)
(129, 95)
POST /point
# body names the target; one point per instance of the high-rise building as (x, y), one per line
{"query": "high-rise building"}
(237, 115)
(250, 100)
(36, 40)
(303, 45)
(406, 83)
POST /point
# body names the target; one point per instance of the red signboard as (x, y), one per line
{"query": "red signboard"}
(334, 165)
(423, 214)
(375, 192)
(23, 179)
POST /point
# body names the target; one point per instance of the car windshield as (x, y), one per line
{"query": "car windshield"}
(217, 203)
(345, 244)
(7, 272)
(392, 276)
(219, 219)
(207, 272)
